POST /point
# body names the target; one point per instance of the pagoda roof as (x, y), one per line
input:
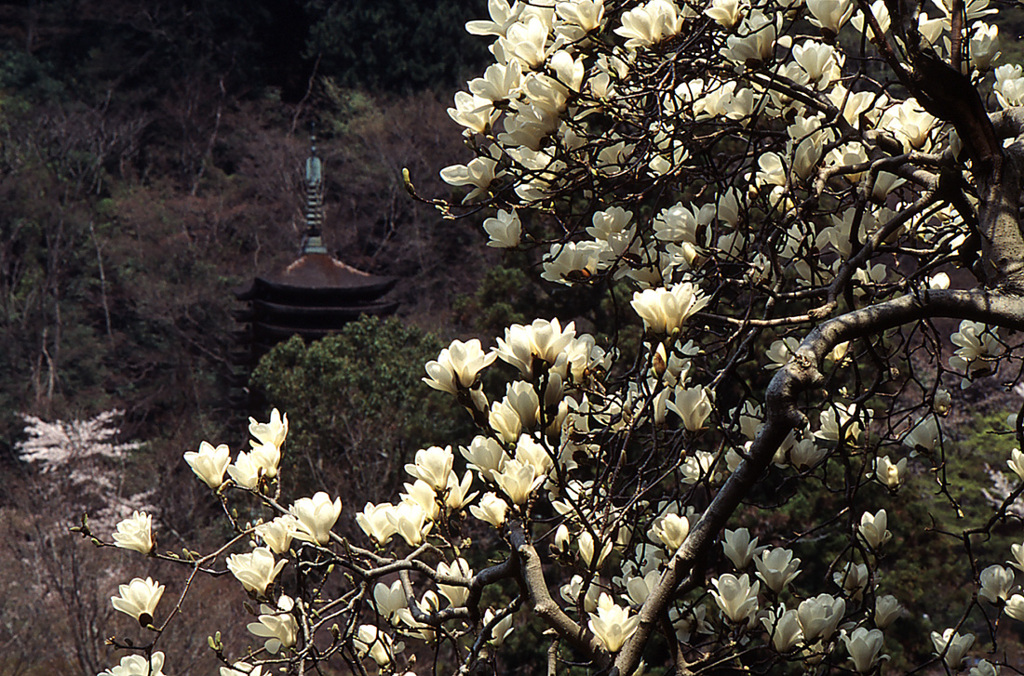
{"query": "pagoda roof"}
(318, 275)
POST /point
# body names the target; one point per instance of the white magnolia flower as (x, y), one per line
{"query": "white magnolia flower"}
(996, 583)
(432, 465)
(369, 640)
(830, 15)
(517, 480)
(739, 547)
(501, 629)
(138, 598)
(277, 625)
(457, 493)
(242, 669)
(872, 529)
(479, 173)
(505, 230)
(887, 610)
(890, 474)
(612, 624)
(278, 533)
(476, 113)
(777, 568)
(671, 530)
(650, 23)
(542, 341)
(135, 532)
(692, 405)
(588, 549)
(977, 348)
(840, 422)
(666, 310)
(270, 433)
(984, 668)
(456, 594)
(316, 516)
(1015, 607)
(853, 578)
(925, 435)
(820, 616)
(458, 366)
(526, 40)
(266, 458)
(410, 521)
(245, 471)
(485, 455)
(209, 463)
(569, 262)
(387, 600)
(726, 13)
(375, 522)
(784, 628)
(736, 596)
(1018, 555)
(865, 647)
(1016, 462)
(952, 647)
(256, 569)
(138, 665)
(754, 41)
(491, 509)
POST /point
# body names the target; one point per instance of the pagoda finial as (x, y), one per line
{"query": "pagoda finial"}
(314, 199)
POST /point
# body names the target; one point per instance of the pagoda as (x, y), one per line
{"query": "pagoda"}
(312, 296)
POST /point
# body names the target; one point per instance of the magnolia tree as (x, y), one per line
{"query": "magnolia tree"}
(792, 191)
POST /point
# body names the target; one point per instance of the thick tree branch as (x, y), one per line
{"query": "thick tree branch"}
(782, 416)
(535, 589)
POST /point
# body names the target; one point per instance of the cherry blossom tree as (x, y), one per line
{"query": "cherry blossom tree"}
(795, 197)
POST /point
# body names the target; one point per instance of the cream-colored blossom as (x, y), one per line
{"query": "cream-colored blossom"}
(784, 628)
(736, 596)
(432, 465)
(138, 665)
(135, 532)
(887, 610)
(666, 310)
(777, 568)
(245, 471)
(650, 23)
(820, 616)
(890, 474)
(864, 647)
(952, 646)
(209, 463)
(456, 594)
(369, 640)
(740, 547)
(138, 598)
(316, 516)
(278, 533)
(256, 570)
(830, 15)
(996, 584)
(872, 529)
(276, 624)
(457, 366)
(612, 624)
(491, 509)
(410, 521)
(375, 522)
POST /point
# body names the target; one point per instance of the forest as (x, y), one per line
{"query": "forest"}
(756, 269)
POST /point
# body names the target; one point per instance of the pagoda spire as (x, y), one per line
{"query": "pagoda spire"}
(313, 241)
